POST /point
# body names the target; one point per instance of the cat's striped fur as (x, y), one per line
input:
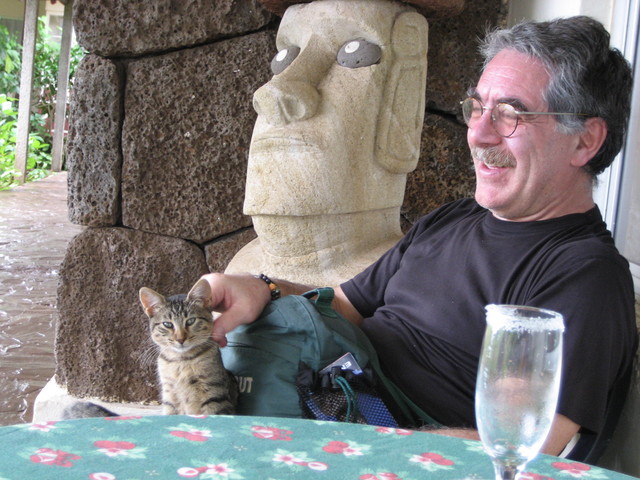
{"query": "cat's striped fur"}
(193, 378)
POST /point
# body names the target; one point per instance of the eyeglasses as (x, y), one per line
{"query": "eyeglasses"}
(504, 116)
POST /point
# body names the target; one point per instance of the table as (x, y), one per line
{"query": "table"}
(261, 448)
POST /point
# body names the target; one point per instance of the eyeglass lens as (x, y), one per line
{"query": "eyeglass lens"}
(503, 116)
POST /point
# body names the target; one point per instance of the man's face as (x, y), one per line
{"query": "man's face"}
(535, 178)
(313, 143)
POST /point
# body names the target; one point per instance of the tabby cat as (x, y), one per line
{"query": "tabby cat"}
(193, 378)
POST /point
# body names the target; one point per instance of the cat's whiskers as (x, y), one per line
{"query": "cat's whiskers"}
(148, 355)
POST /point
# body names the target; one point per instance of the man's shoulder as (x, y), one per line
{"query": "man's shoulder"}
(586, 236)
(593, 250)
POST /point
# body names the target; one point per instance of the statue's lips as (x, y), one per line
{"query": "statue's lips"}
(275, 140)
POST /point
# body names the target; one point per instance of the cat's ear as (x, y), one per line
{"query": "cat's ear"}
(151, 301)
(201, 293)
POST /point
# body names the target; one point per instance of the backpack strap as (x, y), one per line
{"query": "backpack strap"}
(324, 297)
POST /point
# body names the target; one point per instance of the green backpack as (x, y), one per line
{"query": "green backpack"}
(295, 332)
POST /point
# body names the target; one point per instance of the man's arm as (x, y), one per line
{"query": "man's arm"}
(562, 431)
(344, 307)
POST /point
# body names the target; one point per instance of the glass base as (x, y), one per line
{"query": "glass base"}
(507, 472)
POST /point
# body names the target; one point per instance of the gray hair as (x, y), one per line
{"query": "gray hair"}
(587, 76)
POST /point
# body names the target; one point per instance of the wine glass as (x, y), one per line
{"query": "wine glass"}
(518, 384)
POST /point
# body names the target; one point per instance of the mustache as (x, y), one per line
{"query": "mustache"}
(493, 157)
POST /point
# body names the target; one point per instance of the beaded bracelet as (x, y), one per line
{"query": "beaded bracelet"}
(275, 289)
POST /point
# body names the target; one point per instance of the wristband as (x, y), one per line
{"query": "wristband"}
(275, 289)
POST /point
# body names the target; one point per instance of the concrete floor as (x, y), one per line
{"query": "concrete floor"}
(34, 234)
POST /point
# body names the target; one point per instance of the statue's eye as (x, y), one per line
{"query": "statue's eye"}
(283, 59)
(168, 325)
(359, 53)
(190, 321)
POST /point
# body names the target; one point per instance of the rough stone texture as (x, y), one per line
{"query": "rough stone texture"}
(134, 27)
(185, 153)
(444, 172)
(103, 347)
(454, 62)
(220, 252)
(93, 151)
(429, 8)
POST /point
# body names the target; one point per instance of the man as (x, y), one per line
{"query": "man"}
(548, 114)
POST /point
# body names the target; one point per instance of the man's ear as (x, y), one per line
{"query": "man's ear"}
(590, 141)
(402, 112)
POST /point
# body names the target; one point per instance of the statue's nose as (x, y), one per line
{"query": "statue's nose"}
(287, 101)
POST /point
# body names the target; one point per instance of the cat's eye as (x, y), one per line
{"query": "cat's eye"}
(359, 53)
(190, 322)
(283, 59)
(168, 325)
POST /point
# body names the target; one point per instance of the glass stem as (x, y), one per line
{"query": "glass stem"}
(506, 472)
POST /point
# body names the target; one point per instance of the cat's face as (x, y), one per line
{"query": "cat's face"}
(181, 325)
(180, 322)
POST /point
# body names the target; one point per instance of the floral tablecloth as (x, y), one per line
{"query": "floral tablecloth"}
(227, 447)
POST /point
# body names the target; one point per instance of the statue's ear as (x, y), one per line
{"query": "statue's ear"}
(201, 293)
(151, 301)
(402, 114)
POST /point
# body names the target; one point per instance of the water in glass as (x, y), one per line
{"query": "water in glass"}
(518, 384)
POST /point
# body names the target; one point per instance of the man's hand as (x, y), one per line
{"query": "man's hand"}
(239, 298)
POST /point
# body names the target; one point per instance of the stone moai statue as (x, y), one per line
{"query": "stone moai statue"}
(337, 131)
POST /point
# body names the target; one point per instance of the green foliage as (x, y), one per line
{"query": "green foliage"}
(45, 87)
(39, 155)
(10, 51)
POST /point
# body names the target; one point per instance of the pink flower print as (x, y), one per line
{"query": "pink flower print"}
(102, 476)
(129, 417)
(432, 461)
(288, 459)
(320, 466)
(43, 427)
(190, 472)
(58, 458)
(435, 458)
(379, 476)
(335, 447)
(533, 476)
(396, 431)
(221, 470)
(192, 435)
(574, 469)
(113, 449)
(292, 459)
(343, 448)
(271, 433)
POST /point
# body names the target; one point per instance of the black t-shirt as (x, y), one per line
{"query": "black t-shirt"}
(423, 304)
